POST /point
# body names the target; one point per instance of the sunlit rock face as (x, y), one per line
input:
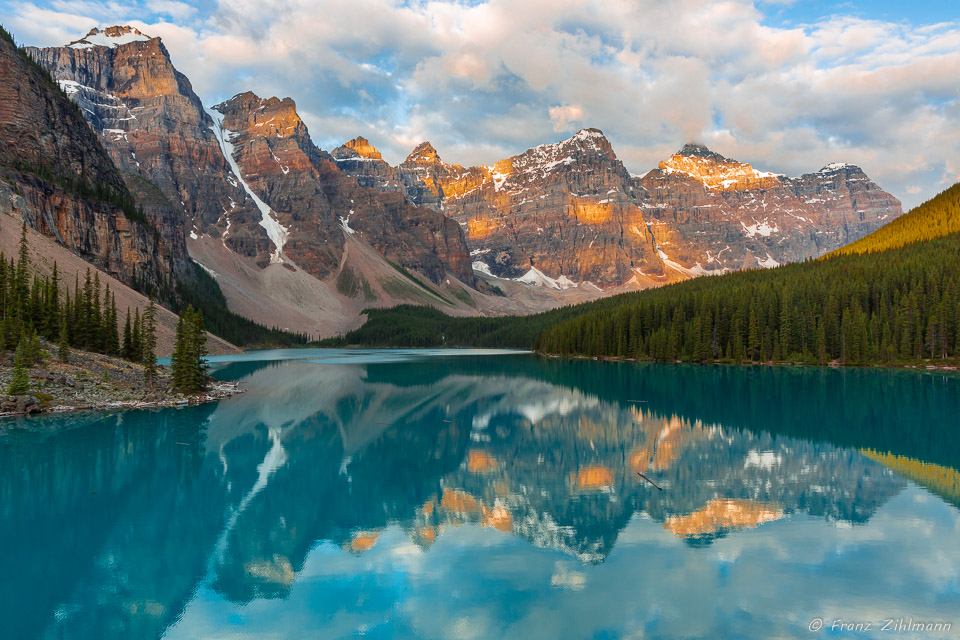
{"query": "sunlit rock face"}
(315, 204)
(715, 171)
(153, 124)
(712, 214)
(567, 213)
(45, 147)
(362, 160)
(247, 171)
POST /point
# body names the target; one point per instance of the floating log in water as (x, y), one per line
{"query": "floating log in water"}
(650, 481)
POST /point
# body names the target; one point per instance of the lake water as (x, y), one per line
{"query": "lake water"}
(468, 494)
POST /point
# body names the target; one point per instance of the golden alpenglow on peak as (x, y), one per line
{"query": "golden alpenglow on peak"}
(363, 148)
(424, 153)
(716, 171)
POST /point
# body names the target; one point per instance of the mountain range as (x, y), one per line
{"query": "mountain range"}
(303, 239)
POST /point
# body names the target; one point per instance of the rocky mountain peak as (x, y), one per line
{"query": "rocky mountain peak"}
(697, 150)
(716, 171)
(423, 154)
(590, 138)
(837, 167)
(110, 37)
(358, 148)
(263, 116)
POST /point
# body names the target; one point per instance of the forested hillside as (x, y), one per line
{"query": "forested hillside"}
(861, 307)
(935, 218)
(886, 307)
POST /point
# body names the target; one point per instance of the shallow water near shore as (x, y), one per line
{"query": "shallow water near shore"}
(482, 494)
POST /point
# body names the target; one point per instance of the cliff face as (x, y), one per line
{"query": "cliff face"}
(56, 175)
(358, 158)
(247, 173)
(566, 211)
(569, 212)
(313, 204)
(155, 126)
(719, 214)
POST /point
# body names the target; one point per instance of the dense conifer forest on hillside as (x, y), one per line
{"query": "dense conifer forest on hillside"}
(935, 218)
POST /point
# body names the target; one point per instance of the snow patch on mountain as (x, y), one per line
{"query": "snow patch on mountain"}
(482, 267)
(834, 166)
(769, 263)
(110, 37)
(275, 231)
(537, 278)
(759, 228)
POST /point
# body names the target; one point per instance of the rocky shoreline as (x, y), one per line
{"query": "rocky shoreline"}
(92, 381)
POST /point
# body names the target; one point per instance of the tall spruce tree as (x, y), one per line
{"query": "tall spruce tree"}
(188, 361)
(20, 380)
(63, 344)
(127, 349)
(148, 341)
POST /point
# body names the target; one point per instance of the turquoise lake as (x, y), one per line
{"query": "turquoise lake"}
(479, 494)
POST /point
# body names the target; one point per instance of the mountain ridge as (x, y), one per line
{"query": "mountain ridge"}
(607, 227)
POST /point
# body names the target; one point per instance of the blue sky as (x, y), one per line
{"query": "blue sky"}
(787, 86)
(809, 11)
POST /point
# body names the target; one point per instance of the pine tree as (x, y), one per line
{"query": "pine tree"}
(179, 357)
(149, 342)
(52, 306)
(198, 353)
(753, 336)
(21, 282)
(20, 381)
(63, 345)
(113, 332)
(188, 361)
(136, 342)
(96, 317)
(127, 349)
(32, 349)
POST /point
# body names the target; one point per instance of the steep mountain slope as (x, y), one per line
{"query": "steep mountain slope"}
(315, 206)
(254, 191)
(55, 175)
(569, 212)
(154, 125)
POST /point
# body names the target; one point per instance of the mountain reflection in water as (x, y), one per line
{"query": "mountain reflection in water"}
(382, 486)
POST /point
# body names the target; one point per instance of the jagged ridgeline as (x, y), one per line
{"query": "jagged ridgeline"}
(56, 175)
(885, 307)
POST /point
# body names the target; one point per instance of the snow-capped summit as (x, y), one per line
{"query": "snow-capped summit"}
(109, 37)
(715, 171)
(835, 166)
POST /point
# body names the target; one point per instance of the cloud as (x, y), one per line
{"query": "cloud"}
(562, 117)
(485, 80)
(172, 8)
